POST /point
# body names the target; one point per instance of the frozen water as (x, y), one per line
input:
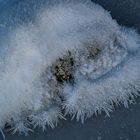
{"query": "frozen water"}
(105, 57)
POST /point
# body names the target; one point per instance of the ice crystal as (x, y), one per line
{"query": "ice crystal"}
(64, 55)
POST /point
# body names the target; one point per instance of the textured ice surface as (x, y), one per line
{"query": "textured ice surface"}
(68, 55)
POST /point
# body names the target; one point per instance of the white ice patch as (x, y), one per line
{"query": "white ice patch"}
(30, 93)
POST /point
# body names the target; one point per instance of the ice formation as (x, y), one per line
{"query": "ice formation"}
(70, 56)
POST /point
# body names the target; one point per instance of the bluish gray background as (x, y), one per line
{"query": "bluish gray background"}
(123, 124)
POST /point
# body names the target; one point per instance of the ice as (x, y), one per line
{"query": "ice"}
(105, 61)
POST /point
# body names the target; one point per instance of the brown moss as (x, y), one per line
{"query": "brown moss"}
(93, 52)
(63, 69)
(91, 49)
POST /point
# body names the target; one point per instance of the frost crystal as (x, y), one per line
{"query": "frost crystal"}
(71, 56)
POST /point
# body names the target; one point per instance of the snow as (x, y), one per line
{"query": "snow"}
(31, 95)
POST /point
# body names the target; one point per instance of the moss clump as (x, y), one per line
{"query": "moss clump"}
(64, 68)
(93, 52)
